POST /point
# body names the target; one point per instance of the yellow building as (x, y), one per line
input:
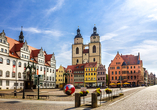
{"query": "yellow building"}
(90, 74)
(59, 75)
(85, 53)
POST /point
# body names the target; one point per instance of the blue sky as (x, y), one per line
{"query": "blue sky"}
(127, 26)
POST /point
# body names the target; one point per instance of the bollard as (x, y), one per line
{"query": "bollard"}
(94, 100)
(14, 92)
(77, 100)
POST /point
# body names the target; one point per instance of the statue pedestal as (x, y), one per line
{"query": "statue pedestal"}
(28, 85)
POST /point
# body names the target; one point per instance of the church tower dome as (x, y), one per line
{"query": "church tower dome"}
(78, 38)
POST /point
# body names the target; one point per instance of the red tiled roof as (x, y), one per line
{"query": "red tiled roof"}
(48, 57)
(91, 64)
(71, 67)
(15, 46)
(86, 51)
(130, 59)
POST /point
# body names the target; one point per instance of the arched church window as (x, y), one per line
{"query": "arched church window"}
(77, 50)
(94, 59)
(94, 49)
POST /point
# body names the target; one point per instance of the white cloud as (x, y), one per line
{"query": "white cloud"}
(56, 7)
(107, 36)
(154, 17)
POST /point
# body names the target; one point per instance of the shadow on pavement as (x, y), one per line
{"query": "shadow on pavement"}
(12, 102)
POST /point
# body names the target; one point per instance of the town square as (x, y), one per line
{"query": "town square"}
(69, 55)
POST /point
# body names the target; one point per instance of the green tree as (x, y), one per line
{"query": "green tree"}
(106, 79)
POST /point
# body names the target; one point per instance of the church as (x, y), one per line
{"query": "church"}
(85, 53)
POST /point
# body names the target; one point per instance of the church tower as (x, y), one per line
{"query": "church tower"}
(95, 47)
(77, 49)
(85, 53)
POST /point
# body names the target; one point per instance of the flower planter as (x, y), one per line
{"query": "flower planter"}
(108, 92)
(84, 94)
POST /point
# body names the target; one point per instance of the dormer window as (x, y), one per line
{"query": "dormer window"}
(12, 53)
(4, 42)
(32, 59)
(0, 40)
(5, 50)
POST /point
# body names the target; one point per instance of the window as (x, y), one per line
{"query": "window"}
(19, 75)
(134, 71)
(14, 63)
(94, 49)
(4, 42)
(131, 71)
(40, 68)
(86, 74)
(50, 70)
(77, 61)
(0, 82)
(103, 72)
(91, 78)
(134, 66)
(119, 72)
(94, 73)
(128, 77)
(22, 55)
(86, 69)
(91, 73)
(1, 49)
(7, 83)
(5, 50)
(131, 77)
(116, 78)
(8, 62)
(50, 78)
(47, 78)
(53, 71)
(13, 75)
(112, 72)
(1, 60)
(94, 59)
(115, 72)
(77, 50)
(1, 73)
(134, 77)
(7, 74)
(131, 67)
(112, 78)
(47, 70)
(19, 64)
(118, 67)
(94, 78)
(0, 40)
(88, 78)
(25, 66)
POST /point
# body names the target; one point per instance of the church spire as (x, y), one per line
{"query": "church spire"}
(95, 31)
(78, 33)
(21, 37)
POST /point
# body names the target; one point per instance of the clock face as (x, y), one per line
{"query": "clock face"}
(94, 37)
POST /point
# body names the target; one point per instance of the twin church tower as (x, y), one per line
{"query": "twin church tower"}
(85, 53)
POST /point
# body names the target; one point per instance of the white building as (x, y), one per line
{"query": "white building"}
(14, 58)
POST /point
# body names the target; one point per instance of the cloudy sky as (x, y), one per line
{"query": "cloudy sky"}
(127, 26)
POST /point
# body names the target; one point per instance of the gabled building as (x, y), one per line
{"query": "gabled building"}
(126, 68)
(14, 57)
(60, 78)
(151, 79)
(101, 76)
(70, 77)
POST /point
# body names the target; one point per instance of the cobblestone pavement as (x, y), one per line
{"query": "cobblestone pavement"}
(145, 99)
(18, 104)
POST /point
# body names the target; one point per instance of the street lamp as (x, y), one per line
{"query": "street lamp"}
(24, 77)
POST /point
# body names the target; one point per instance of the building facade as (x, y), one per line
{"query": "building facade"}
(90, 74)
(151, 79)
(126, 68)
(101, 76)
(70, 71)
(14, 58)
(85, 53)
(60, 78)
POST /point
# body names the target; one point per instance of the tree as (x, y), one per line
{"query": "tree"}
(106, 79)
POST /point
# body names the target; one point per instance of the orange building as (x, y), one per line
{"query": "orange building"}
(126, 68)
(70, 77)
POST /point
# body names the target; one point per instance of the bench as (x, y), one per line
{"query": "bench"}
(44, 96)
(31, 96)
